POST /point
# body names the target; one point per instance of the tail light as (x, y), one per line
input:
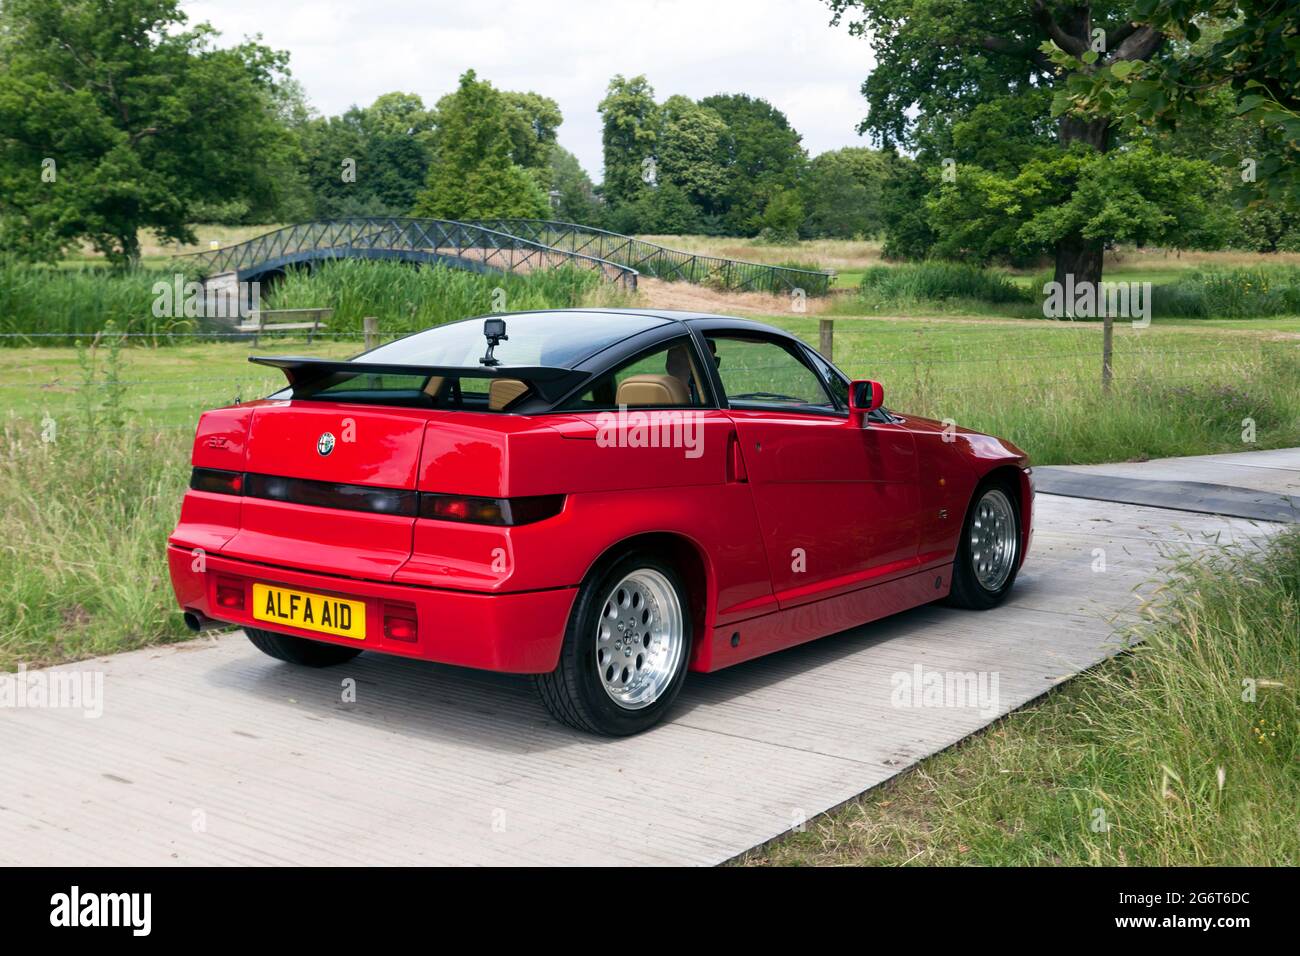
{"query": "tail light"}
(215, 480)
(496, 511)
(327, 494)
(230, 594)
(400, 623)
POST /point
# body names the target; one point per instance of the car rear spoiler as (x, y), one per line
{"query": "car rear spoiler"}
(550, 382)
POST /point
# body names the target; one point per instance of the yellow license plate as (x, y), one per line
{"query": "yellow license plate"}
(311, 612)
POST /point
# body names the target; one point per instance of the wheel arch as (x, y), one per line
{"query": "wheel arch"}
(687, 556)
(1016, 480)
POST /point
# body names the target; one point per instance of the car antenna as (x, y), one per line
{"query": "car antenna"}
(494, 330)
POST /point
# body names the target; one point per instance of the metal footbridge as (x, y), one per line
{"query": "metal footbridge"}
(496, 246)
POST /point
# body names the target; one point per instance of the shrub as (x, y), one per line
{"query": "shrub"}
(1244, 293)
(937, 281)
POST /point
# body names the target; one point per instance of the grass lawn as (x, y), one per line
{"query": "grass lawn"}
(1179, 388)
(1159, 757)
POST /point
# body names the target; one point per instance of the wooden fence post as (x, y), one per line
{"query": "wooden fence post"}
(827, 344)
(370, 324)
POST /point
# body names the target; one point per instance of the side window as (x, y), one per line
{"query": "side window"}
(668, 376)
(759, 373)
(838, 387)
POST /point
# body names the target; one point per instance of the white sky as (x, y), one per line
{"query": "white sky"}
(349, 51)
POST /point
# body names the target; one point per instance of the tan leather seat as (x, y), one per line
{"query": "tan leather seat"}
(434, 385)
(652, 390)
(503, 391)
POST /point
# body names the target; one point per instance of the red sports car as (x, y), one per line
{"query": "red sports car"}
(605, 499)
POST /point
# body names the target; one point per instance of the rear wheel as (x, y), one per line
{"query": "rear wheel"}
(988, 554)
(299, 650)
(625, 649)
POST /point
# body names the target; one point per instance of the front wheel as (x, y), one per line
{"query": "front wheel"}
(625, 649)
(988, 554)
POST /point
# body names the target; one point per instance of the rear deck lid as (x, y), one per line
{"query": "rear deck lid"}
(330, 488)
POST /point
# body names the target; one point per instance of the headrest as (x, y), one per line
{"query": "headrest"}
(652, 390)
(503, 391)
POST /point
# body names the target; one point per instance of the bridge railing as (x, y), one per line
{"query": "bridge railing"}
(658, 261)
(473, 243)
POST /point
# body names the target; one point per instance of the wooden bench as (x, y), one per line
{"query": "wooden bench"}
(313, 320)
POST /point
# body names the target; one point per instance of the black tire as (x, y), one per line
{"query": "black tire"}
(574, 692)
(967, 591)
(300, 650)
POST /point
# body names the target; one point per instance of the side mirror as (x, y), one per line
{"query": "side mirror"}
(864, 397)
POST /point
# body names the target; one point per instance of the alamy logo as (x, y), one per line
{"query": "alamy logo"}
(81, 690)
(1097, 300)
(651, 429)
(75, 908)
(181, 299)
(958, 690)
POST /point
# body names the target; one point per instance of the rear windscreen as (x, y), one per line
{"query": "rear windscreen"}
(555, 339)
(419, 391)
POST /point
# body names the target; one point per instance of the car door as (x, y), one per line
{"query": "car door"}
(837, 504)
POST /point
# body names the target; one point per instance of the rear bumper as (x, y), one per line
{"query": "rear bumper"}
(518, 633)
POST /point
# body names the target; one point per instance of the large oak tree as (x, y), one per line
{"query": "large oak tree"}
(946, 58)
(114, 116)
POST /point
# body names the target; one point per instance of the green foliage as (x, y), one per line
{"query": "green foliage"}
(117, 117)
(730, 155)
(532, 121)
(781, 218)
(1230, 294)
(689, 151)
(1133, 194)
(576, 201)
(842, 191)
(1244, 48)
(408, 298)
(630, 136)
(37, 298)
(369, 161)
(762, 154)
(936, 281)
(474, 174)
(1014, 97)
(659, 210)
(85, 519)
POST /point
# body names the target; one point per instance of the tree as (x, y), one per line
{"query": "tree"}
(842, 192)
(630, 137)
(761, 154)
(576, 195)
(473, 174)
(115, 117)
(397, 145)
(1132, 194)
(1242, 52)
(688, 152)
(947, 59)
(532, 121)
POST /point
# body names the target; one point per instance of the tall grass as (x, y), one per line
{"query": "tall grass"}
(1246, 293)
(1173, 393)
(84, 300)
(77, 301)
(407, 298)
(1182, 752)
(85, 511)
(892, 287)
